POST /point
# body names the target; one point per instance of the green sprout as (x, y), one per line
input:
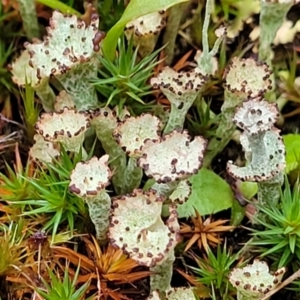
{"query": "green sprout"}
(52, 197)
(31, 113)
(15, 185)
(63, 288)
(124, 80)
(12, 247)
(5, 77)
(214, 269)
(280, 239)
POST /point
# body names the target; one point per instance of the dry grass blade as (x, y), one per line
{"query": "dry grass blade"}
(201, 290)
(111, 264)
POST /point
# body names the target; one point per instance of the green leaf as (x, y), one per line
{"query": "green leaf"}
(292, 146)
(248, 189)
(237, 213)
(134, 10)
(55, 4)
(210, 194)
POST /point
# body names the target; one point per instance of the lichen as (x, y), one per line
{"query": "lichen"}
(134, 131)
(254, 281)
(143, 235)
(43, 152)
(68, 53)
(67, 127)
(145, 31)
(181, 157)
(88, 181)
(181, 89)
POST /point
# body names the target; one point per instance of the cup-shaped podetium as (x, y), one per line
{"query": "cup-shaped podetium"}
(136, 227)
(67, 127)
(254, 281)
(181, 89)
(88, 181)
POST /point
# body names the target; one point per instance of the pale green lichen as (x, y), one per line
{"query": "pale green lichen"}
(272, 16)
(88, 181)
(254, 281)
(134, 131)
(131, 134)
(144, 236)
(264, 149)
(63, 100)
(67, 127)
(206, 58)
(182, 192)
(29, 18)
(67, 53)
(180, 293)
(181, 89)
(145, 31)
(181, 157)
(244, 78)
(43, 152)
(105, 121)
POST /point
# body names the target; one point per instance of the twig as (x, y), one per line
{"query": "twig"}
(281, 285)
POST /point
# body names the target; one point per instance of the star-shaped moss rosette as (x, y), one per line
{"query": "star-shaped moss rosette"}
(254, 281)
(144, 236)
(88, 181)
(145, 31)
(244, 78)
(105, 121)
(181, 89)
(68, 53)
(43, 152)
(180, 293)
(204, 232)
(67, 127)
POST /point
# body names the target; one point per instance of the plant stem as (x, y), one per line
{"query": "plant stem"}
(99, 211)
(271, 18)
(133, 175)
(225, 128)
(29, 18)
(208, 11)
(161, 277)
(117, 157)
(268, 193)
(177, 117)
(31, 113)
(175, 15)
(47, 96)
(77, 83)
